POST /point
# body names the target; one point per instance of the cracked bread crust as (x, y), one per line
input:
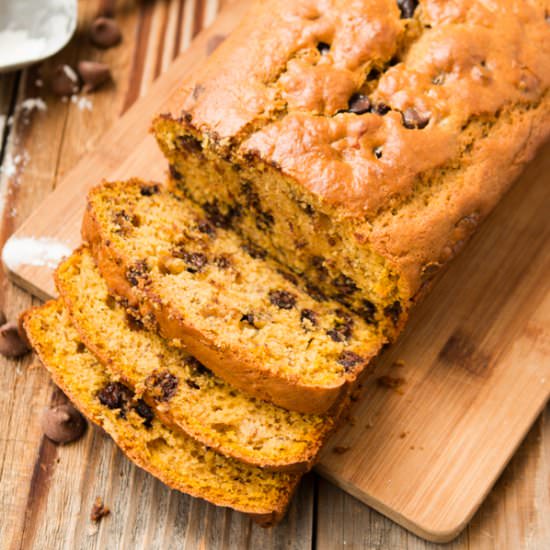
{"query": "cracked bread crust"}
(403, 126)
(176, 459)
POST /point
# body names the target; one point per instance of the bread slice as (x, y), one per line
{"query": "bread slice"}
(181, 390)
(221, 299)
(176, 459)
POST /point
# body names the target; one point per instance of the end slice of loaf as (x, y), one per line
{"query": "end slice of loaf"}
(176, 459)
(183, 392)
(223, 300)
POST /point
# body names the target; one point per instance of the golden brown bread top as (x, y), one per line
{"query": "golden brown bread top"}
(281, 86)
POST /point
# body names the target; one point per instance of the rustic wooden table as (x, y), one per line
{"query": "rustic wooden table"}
(46, 492)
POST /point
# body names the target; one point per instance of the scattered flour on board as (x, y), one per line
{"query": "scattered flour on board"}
(37, 251)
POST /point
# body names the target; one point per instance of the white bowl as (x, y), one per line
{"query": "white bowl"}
(32, 30)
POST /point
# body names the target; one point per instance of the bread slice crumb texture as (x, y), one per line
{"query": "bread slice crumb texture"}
(183, 392)
(176, 459)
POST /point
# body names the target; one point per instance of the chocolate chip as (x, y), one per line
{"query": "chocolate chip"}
(318, 263)
(105, 33)
(359, 104)
(288, 276)
(343, 327)
(367, 311)
(248, 318)
(137, 272)
(252, 199)
(146, 412)
(192, 384)
(393, 311)
(115, 395)
(195, 261)
(315, 293)
(12, 343)
(323, 48)
(413, 120)
(264, 221)
(190, 143)
(164, 382)
(219, 218)
(381, 108)
(223, 261)
(63, 424)
(345, 285)
(407, 7)
(133, 322)
(94, 74)
(207, 228)
(99, 510)
(149, 190)
(349, 359)
(196, 365)
(308, 315)
(307, 208)
(254, 251)
(177, 176)
(64, 81)
(378, 152)
(282, 299)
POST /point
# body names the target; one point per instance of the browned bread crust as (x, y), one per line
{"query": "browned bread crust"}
(403, 127)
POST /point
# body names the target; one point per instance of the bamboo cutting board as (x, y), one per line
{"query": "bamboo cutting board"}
(447, 405)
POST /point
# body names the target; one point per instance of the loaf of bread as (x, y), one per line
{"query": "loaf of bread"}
(176, 459)
(240, 314)
(361, 143)
(181, 390)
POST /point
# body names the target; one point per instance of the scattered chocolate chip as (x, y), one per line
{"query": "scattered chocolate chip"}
(149, 190)
(323, 48)
(264, 221)
(248, 318)
(12, 343)
(146, 412)
(343, 327)
(251, 196)
(407, 7)
(308, 316)
(192, 384)
(393, 311)
(374, 74)
(219, 218)
(349, 359)
(207, 228)
(213, 42)
(195, 261)
(367, 311)
(80, 347)
(288, 276)
(137, 272)
(63, 424)
(254, 251)
(177, 176)
(94, 74)
(64, 81)
(164, 382)
(190, 143)
(381, 108)
(223, 261)
(413, 120)
(134, 323)
(99, 510)
(359, 104)
(315, 293)
(105, 33)
(282, 299)
(378, 152)
(197, 365)
(307, 208)
(318, 263)
(115, 395)
(345, 285)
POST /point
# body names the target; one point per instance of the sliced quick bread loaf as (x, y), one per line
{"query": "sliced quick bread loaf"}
(176, 459)
(183, 392)
(223, 300)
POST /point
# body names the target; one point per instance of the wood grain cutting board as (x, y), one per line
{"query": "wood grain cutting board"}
(471, 372)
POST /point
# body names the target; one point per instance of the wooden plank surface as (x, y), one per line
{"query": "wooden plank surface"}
(46, 491)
